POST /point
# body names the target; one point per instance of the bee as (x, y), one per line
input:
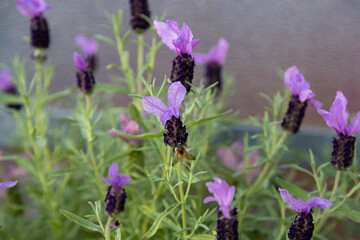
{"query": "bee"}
(180, 153)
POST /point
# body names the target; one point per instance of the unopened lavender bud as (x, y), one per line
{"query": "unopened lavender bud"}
(116, 196)
(175, 133)
(227, 229)
(343, 152)
(294, 115)
(183, 70)
(39, 33)
(213, 75)
(85, 77)
(7, 86)
(114, 225)
(139, 8)
(303, 227)
(115, 201)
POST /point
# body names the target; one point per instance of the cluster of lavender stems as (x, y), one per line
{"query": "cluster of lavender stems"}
(179, 40)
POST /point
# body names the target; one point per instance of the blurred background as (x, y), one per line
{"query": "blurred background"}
(266, 37)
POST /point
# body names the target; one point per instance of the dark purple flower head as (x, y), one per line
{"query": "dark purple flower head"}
(4, 185)
(223, 195)
(301, 206)
(116, 180)
(89, 46)
(338, 117)
(32, 8)
(154, 105)
(130, 127)
(179, 41)
(6, 84)
(216, 54)
(80, 63)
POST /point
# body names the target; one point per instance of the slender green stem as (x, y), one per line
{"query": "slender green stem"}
(140, 60)
(152, 58)
(327, 211)
(283, 227)
(182, 199)
(107, 229)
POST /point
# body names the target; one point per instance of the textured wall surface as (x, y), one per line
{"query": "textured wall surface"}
(320, 37)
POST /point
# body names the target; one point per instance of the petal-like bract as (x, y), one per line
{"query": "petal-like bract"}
(296, 82)
(5, 80)
(216, 54)
(10, 184)
(89, 46)
(176, 95)
(32, 8)
(116, 180)
(154, 105)
(80, 62)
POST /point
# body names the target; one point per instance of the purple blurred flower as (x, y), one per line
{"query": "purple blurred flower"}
(154, 105)
(116, 180)
(128, 126)
(338, 117)
(6, 84)
(216, 54)
(80, 63)
(89, 46)
(32, 8)
(223, 195)
(4, 185)
(179, 41)
(296, 82)
(301, 206)
(233, 158)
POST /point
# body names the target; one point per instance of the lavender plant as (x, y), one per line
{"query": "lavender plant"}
(65, 195)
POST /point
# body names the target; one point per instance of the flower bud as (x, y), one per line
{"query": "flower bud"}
(343, 152)
(303, 227)
(85, 81)
(39, 33)
(213, 74)
(115, 201)
(138, 8)
(175, 133)
(227, 229)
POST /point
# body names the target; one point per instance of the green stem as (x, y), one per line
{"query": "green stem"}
(182, 199)
(107, 229)
(140, 61)
(152, 58)
(327, 211)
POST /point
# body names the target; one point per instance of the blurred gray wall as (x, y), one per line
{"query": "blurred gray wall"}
(320, 37)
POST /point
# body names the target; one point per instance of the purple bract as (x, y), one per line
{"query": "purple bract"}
(216, 54)
(301, 206)
(32, 8)
(154, 105)
(5, 80)
(4, 185)
(179, 41)
(128, 126)
(116, 180)
(80, 62)
(338, 117)
(89, 46)
(223, 195)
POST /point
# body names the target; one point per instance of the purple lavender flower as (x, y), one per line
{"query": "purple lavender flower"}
(175, 133)
(301, 95)
(337, 119)
(128, 126)
(4, 185)
(89, 46)
(233, 158)
(154, 105)
(116, 196)
(7, 86)
(85, 77)
(214, 60)
(39, 30)
(303, 226)
(227, 224)
(181, 42)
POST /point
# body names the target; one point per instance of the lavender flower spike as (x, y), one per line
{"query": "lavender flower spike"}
(128, 126)
(85, 77)
(301, 95)
(6, 85)
(32, 8)
(227, 225)
(89, 46)
(337, 119)
(116, 196)
(154, 105)
(4, 185)
(303, 226)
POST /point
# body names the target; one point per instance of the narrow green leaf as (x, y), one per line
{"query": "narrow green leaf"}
(202, 237)
(105, 40)
(10, 98)
(200, 121)
(141, 136)
(59, 95)
(111, 88)
(301, 169)
(350, 213)
(81, 221)
(153, 229)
